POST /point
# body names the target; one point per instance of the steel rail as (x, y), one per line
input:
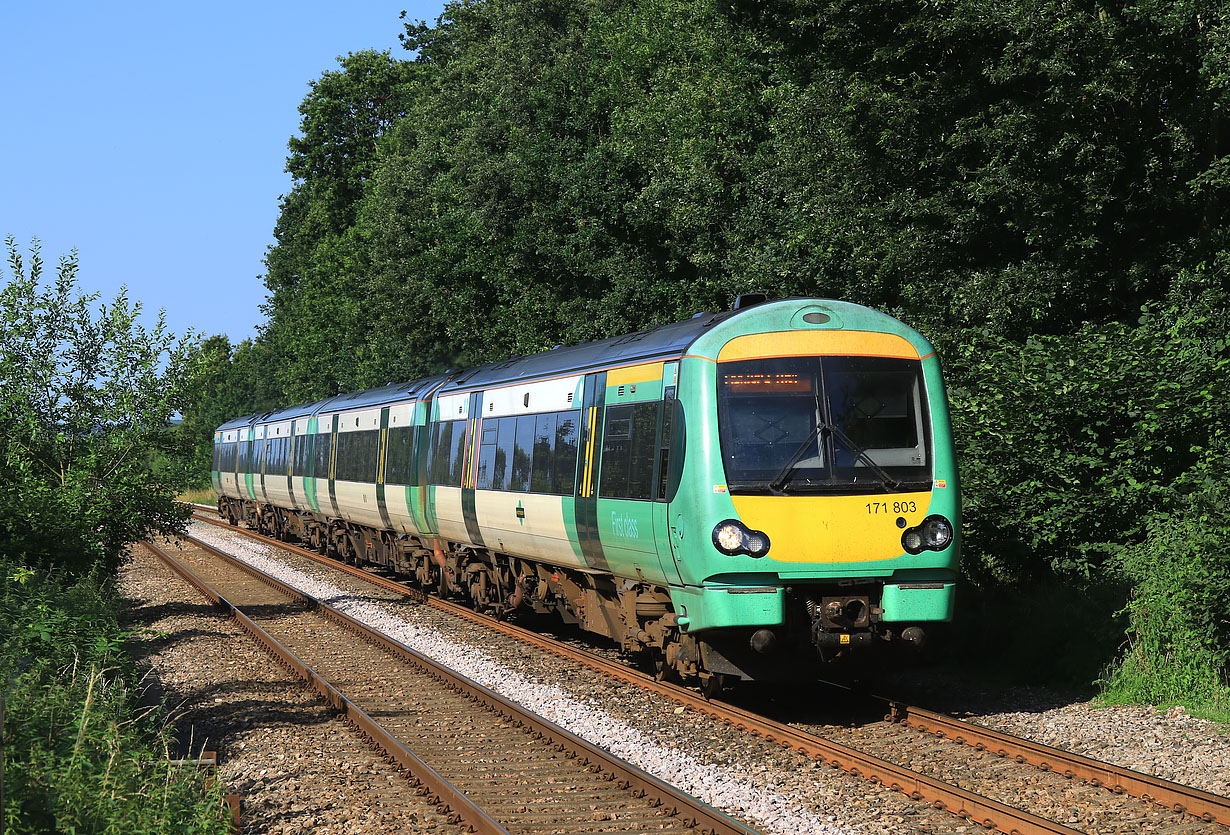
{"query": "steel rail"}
(461, 809)
(692, 812)
(1174, 796)
(988, 813)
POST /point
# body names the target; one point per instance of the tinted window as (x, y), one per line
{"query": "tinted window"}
(258, 455)
(302, 454)
(447, 452)
(323, 451)
(523, 449)
(629, 447)
(487, 451)
(564, 469)
(664, 448)
(399, 458)
(459, 454)
(507, 432)
(544, 442)
(226, 457)
(356, 455)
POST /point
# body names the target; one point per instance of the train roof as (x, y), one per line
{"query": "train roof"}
(660, 343)
(665, 342)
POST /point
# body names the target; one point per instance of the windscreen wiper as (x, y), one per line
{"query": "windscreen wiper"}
(861, 454)
(778, 484)
(787, 472)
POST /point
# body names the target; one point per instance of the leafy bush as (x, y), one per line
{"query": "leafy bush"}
(79, 758)
(1179, 649)
(85, 398)
(1069, 444)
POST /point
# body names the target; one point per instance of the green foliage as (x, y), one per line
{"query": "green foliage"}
(230, 382)
(1179, 648)
(315, 268)
(76, 758)
(85, 397)
(1070, 444)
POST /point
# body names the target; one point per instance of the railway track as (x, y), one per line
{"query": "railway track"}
(1168, 807)
(493, 766)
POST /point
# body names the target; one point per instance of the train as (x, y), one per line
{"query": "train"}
(751, 494)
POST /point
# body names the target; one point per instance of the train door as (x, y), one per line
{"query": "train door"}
(593, 400)
(669, 459)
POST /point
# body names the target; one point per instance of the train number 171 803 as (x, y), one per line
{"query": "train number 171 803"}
(892, 507)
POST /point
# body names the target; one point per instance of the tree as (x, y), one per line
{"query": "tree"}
(315, 265)
(85, 396)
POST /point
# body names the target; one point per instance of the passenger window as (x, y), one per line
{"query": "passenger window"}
(629, 448)
(664, 448)
(459, 453)
(356, 455)
(523, 448)
(544, 440)
(441, 443)
(564, 468)
(486, 456)
(399, 455)
(505, 436)
(324, 451)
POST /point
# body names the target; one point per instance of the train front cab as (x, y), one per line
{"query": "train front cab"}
(818, 512)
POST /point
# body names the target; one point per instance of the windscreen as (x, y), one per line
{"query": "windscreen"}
(824, 424)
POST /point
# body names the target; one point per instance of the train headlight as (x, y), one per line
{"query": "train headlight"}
(733, 537)
(934, 534)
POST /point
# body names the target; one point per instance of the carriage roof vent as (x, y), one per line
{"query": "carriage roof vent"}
(748, 299)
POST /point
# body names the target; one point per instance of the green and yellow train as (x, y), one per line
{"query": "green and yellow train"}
(743, 495)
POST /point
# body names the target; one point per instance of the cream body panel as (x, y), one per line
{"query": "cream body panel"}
(277, 490)
(357, 503)
(322, 498)
(358, 421)
(401, 414)
(450, 521)
(453, 406)
(399, 509)
(541, 535)
(299, 484)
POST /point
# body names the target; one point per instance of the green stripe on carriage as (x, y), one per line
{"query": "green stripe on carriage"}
(569, 507)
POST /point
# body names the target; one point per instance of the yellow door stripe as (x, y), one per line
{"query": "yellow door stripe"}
(384, 448)
(589, 454)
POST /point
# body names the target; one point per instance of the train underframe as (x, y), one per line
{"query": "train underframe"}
(638, 616)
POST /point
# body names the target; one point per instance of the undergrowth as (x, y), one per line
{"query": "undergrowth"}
(199, 495)
(1179, 614)
(80, 756)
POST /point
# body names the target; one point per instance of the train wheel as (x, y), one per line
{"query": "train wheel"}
(712, 684)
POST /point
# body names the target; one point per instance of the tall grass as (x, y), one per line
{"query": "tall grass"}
(199, 495)
(81, 757)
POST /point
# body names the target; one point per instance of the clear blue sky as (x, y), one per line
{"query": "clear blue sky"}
(152, 138)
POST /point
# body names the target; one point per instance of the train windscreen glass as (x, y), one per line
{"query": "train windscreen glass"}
(824, 424)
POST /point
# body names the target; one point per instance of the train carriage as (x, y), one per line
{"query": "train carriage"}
(741, 495)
